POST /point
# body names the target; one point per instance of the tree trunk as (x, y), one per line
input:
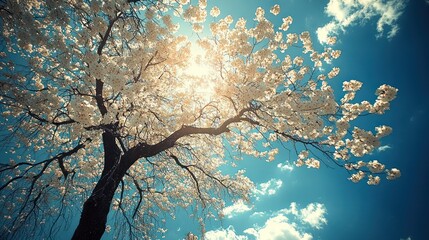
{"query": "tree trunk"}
(93, 219)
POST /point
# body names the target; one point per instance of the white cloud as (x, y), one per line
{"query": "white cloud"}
(222, 234)
(268, 188)
(257, 214)
(279, 225)
(350, 12)
(330, 29)
(313, 214)
(237, 207)
(383, 148)
(285, 167)
(291, 210)
(278, 228)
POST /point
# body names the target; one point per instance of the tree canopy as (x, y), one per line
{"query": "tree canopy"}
(110, 105)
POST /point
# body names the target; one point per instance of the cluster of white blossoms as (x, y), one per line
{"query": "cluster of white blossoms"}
(356, 177)
(332, 40)
(383, 131)
(202, 4)
(82, 111)
(264, 28)
(287, 21)
(355, 166)
(292, 38)
(373, 180)
(385, 95)
(335, 54)
(301, 158)
(352, 85)
(334, 72)
(362, 143)
(171, 26)
(312, 163)
(306, 41)
(272, 154)
(393, 174)
(375, 166)
(275, 10)
(215, 11)
(351, 88)
(195, 14)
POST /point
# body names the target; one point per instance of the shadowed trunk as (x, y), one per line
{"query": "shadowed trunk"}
(93, 219)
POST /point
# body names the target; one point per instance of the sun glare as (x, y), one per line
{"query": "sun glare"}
(200, 73)
(198, 67)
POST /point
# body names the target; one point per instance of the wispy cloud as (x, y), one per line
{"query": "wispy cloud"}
(293, 209)
(258, 214)
(383, 148)
(236, 208)
(268, 188)
(417, 114)
(221, 234)
(285, 167)
(347, 13)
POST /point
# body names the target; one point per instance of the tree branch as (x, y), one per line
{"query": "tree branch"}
(145, 150)
(193, 177)
(43, 120)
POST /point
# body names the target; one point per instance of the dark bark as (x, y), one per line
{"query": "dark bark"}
(93, 219)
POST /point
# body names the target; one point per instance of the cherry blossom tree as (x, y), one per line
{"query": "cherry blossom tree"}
(107, 107)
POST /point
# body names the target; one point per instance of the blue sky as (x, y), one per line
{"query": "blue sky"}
(323, 203)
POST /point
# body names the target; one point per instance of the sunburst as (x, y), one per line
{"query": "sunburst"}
(200, 76)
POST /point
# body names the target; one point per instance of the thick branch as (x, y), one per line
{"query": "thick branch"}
(43, 120)
(99, 84)
(106, 34)
(99, 96)
(146, 150)
(111, 149)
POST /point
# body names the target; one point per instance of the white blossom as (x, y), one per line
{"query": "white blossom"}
(393, 174)
(373, 180)
(286, 22)
(214, 12)
(375, 166)
(356, 177)
(275, 10)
